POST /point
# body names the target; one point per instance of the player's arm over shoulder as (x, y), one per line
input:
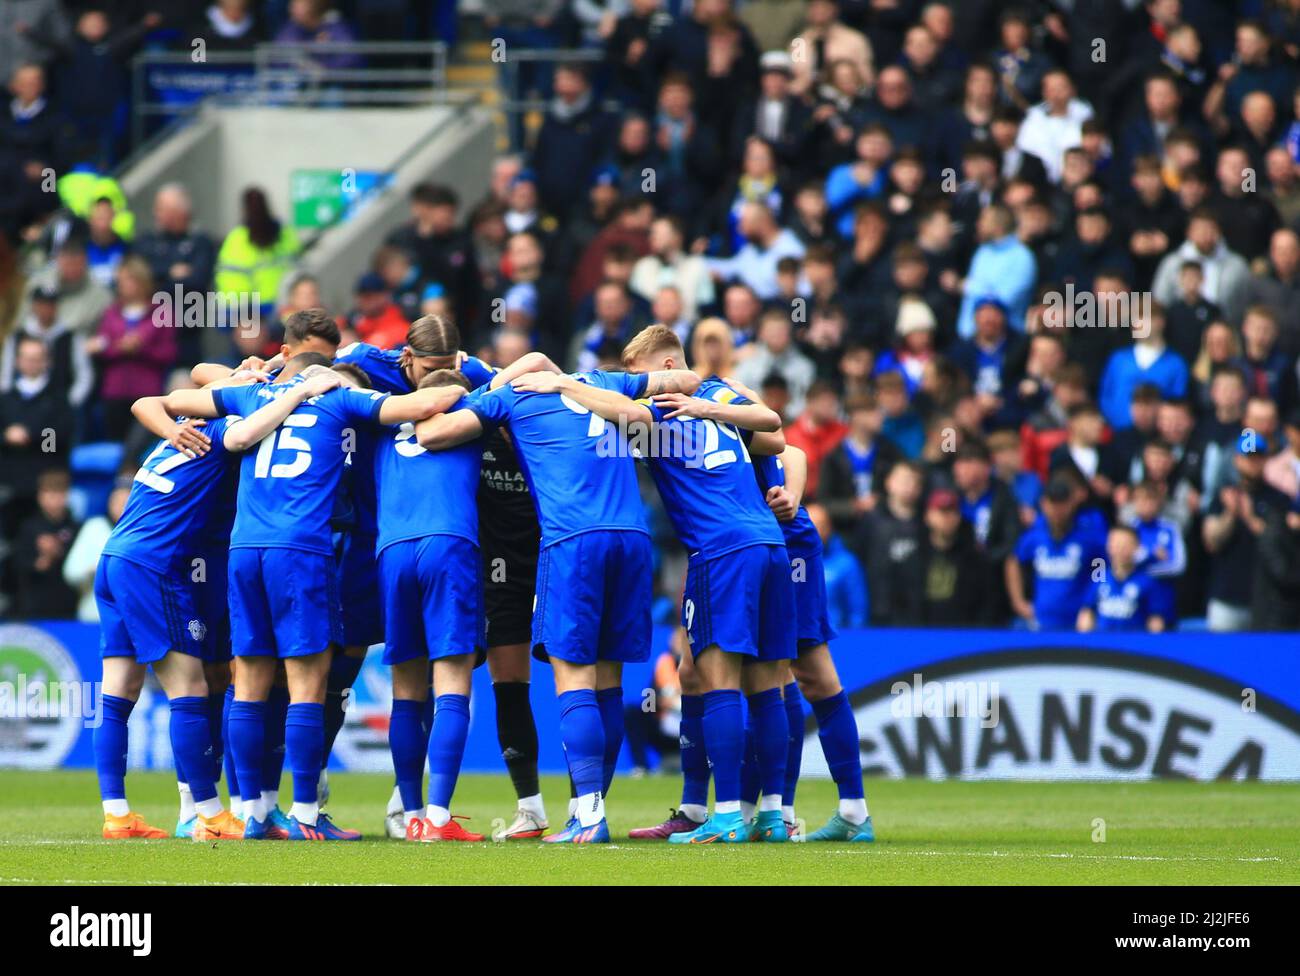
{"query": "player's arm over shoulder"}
(447, 430)
(420, 405)
(528, 363)
(671, 381)
(610, 396)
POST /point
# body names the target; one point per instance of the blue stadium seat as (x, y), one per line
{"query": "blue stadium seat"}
(94, 469)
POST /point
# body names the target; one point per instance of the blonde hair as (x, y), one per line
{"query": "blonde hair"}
(1204, 367)
(712, 328)
(651, 341)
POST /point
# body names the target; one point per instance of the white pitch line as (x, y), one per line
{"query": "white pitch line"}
(874, 851)
(197, 884)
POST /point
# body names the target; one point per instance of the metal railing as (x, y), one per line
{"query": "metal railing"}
(173, 84)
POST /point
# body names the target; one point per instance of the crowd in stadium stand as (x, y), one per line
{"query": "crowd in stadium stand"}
(1023, 279)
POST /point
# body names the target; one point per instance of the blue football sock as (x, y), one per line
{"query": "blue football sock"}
(695, 764)
(447, 747)
(110, 746)
(610, 703)
(247, 727)
(228, 754)
(406, 742)
(277, 707)
(342, 676)
(426, 721)
(188, 724)
(750, 778)
(724, 738)
(304, 747)
(771, 739)
(794, 752)
(216, 705)
(838, 732)
(583, 736)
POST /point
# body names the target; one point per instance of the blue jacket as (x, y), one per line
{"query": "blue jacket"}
(1004, 269)
(1123, 375)
(844, 193)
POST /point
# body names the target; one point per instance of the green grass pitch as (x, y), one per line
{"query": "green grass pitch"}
(928, 833)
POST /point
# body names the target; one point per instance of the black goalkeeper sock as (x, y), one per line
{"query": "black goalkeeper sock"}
(343, 674)
(517, 735)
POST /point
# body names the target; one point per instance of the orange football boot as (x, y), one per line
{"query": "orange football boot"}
(130, 826)
(423, 830)
(224, 826)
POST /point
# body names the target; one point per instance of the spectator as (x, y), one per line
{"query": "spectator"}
(32, 31)
(1226, 273)
(988, 506)
(846, 583)
(1269, 371)
(31, 127)
(135, 346)
(442, 252)
(315, 22)
(817, 430)
(630, 49)
(375, 318)
(573, 135)
(1148, 362)
(36, 430)
(1275, 604)
(613, 323)
(1021, 68)
(40, 550)
(1055, 124)
(82, 301)
(402, 280)
(1123, 598)
(229, 26)
(105, 249)
(766, 243)
(1239, 514)
(1002, 268)
(256, 256)
(853, 474)
(1161, 552)
(954, 579)
(1061, 551)
(888, 543)
(826, 40)
(1187, 319)
(1088, 454)
(776, 352)
(777, 116)
(992, 359)
(1278, 288)
(70, 367)
(83, 558)
(181, 257)
(903, 426)
(668, 264)
(1282, 470)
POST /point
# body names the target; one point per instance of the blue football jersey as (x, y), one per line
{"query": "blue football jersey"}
(288, 483)
(578, 468)
(423, 492)
(1125, 604)
(358, 508)
(705, 476)
(1062, 569)
(359, 502)
(800, 533)
(384, 367)
(170, 502)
